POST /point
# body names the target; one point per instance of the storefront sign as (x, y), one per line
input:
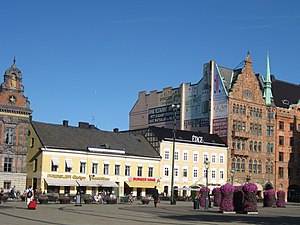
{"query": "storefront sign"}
(197, 139)
(142, 179)
(62, 176)
(99, 178)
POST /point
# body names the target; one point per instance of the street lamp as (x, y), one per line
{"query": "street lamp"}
(175, 108)
(249, 177)
(232, 175)
(206, 162)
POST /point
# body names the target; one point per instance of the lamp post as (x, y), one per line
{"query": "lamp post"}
(173, 200)
(232, 176)
(249, 177)
(206, 162)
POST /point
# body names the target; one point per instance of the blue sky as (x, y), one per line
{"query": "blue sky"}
(87, 60)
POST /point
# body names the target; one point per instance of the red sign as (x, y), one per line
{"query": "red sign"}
(142, 179)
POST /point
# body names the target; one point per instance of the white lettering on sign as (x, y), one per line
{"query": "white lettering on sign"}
(197, 139)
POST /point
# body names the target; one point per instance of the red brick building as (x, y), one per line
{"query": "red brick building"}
(14, 114)
(257, 116)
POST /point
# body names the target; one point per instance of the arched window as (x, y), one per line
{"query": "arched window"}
(250, 165)
(238, 164)
(243, 144)
(255, 166)
(267, 167)
(238, 144)
(233, 161)
(241, 109)
(243, 165)
(234, 107)
(259, 166)
(259, 146)
(244, 110)
(268, 147)
(251, 146)
(271, 147)
(255, 146)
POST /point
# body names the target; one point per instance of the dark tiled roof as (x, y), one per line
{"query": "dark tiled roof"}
(284, 93)
(186, 136)
(76, 138)
(226, 75)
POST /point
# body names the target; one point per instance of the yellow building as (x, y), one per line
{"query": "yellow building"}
(64, 159)
(191, 150)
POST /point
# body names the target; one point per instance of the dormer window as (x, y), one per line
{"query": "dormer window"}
(285, 102)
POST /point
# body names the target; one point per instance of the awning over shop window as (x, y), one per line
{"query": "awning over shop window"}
(60, 182)
(97, 183)
(145, 184)
(69, 163)
(259, 187)
(55, 161)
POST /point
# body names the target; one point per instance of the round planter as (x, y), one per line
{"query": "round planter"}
(145, 202)
(111, 201)
(64, 201)
(43, 201)
(88, 201)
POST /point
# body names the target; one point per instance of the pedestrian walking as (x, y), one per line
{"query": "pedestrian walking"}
(155, 196)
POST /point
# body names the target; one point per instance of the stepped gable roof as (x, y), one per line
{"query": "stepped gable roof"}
(186, 136)
(78, 138)
(284, 93)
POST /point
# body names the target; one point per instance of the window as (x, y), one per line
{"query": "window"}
(150, 171)
(184, 173)
(176, 155)
(259, 146)
(233, 164)
(195, 173)
(9, 135)
(213, 158)
(35, 165)
(117, 169)
(7, 184)
(291, 141)
(281, 125)
(94, 168)
(82, 167)
(243, 145)
(213, 174)
(259, 167)
(176, 172)
(68, 165)
(195, 158)
(291, 126)
(251, 146)
(127, 170)
(205, 156)
(166, 171)
(255, 166)
(106, 168)
(281, 140)
(250, 165)
(280, 172)
(270, 130)
(281, 156)
(243, 166)
(7, 164)
(167, 154)
(31, 142)
(238, 164)
(221, 159)
(54, 164)
(185, 156)
(221, 174)
(139, 171)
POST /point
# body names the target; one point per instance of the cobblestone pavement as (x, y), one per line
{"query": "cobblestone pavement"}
(16, 213)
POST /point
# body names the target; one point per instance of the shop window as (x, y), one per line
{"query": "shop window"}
(7, 184)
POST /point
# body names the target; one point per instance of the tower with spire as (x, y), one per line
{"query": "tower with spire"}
(268, 84)
(15, 115)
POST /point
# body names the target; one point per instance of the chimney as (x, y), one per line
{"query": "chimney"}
(116, 130)
(84, 125)
(65, 123)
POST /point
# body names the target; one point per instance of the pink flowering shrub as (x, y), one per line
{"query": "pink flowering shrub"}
(269, 198)
(280, 199)
(217, 196)
(227, 198)
(203, 194)
(250, 201)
